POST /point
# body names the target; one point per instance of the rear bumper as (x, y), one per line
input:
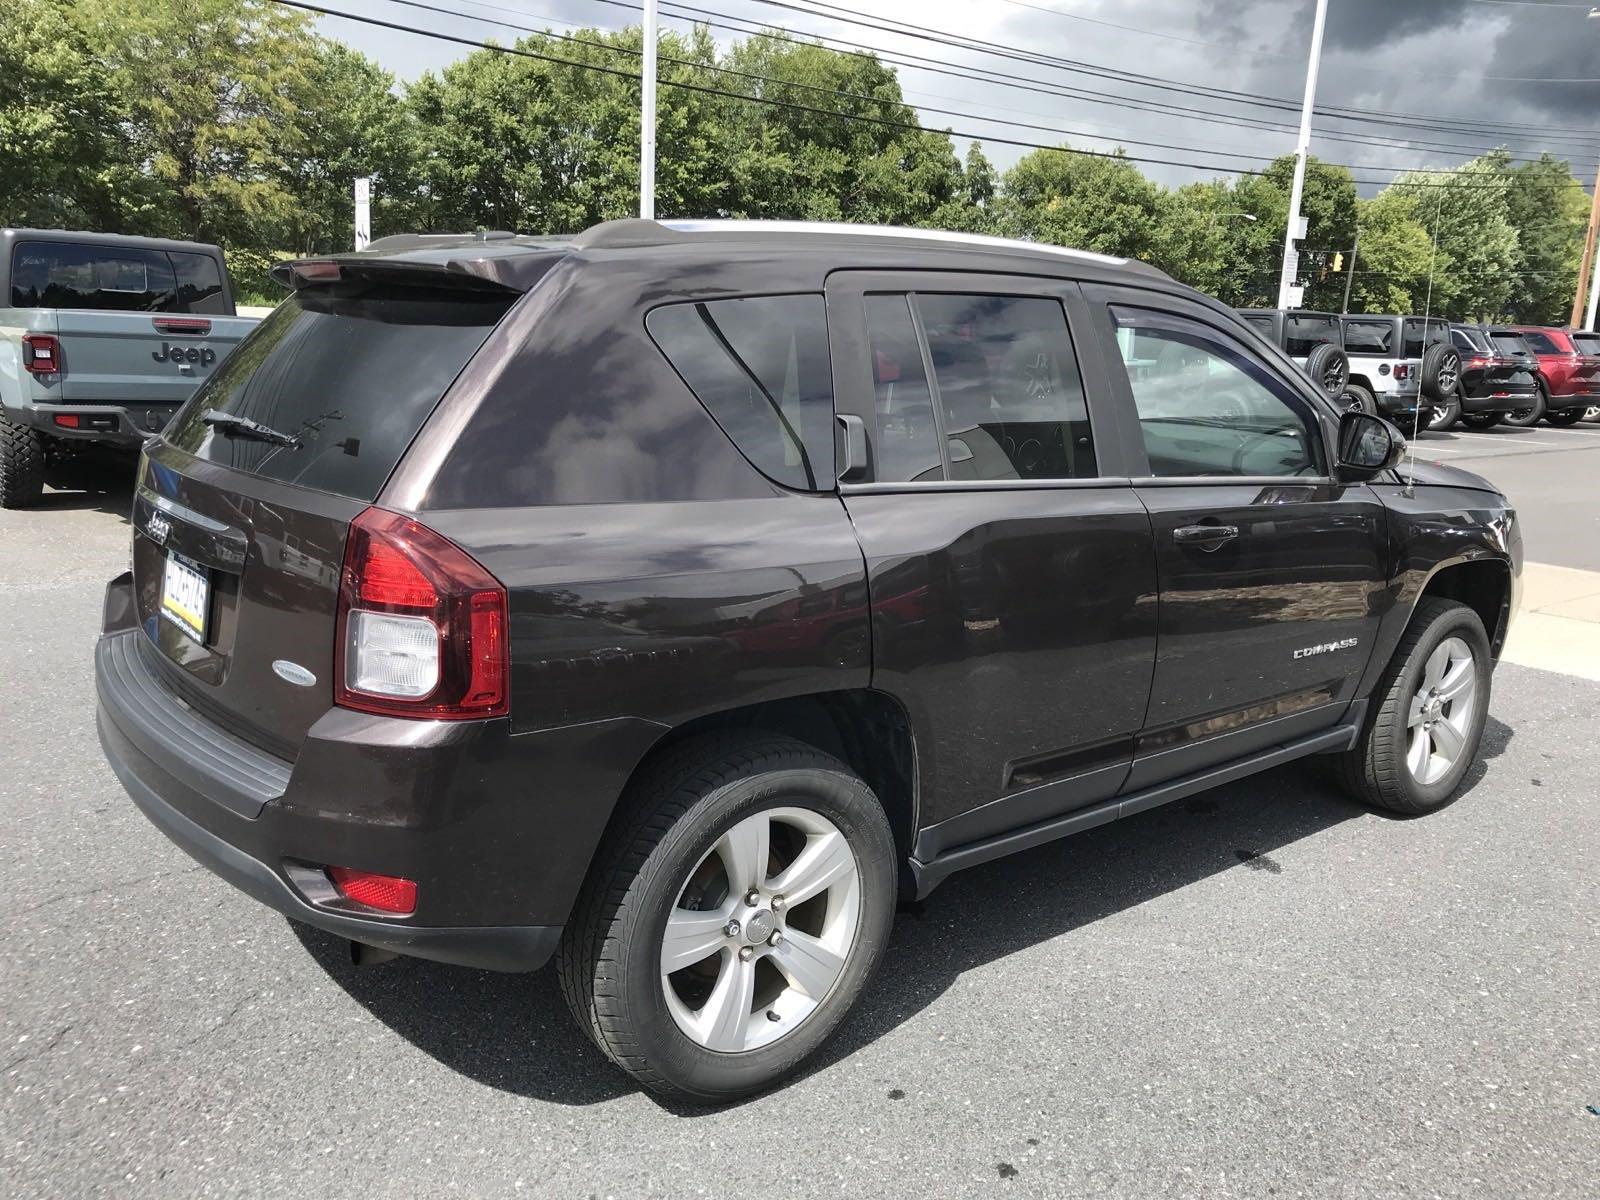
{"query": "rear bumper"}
(497, 830)
(1490, 402)
(125, 425)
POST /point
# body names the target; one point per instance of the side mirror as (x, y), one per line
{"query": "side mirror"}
(1368, 444)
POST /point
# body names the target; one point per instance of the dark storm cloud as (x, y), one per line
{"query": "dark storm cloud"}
(1360, 24)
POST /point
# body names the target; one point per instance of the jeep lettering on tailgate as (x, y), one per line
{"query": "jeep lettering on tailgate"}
(204, 355)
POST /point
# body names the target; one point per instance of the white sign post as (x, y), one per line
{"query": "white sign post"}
(647, 116)
(363, 212)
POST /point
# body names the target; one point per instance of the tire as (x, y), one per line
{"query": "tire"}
(681, 821)
(21, 465)
(1564, 416)
(1444, 416)
(1379, 770)
(1328, 367)
(1526, 418)
(1592, 413)
(1486, 420)
(1360, 397)
(1441, 372)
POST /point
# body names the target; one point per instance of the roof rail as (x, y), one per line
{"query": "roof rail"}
(638, 232)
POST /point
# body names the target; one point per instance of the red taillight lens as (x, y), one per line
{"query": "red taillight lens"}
(1477, 361)
(67, 420)
(387, 893)
(41, 353)
(1402, 371)
(422, 628)
(182, 326)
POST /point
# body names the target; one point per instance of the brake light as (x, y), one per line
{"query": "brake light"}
(387, 893)
(182, 326)
(1477, 360)
(422, 629)
(1402, 371)
(41, 353)
(67, 420)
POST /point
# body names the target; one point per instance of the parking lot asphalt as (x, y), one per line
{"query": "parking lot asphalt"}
(1264, 990)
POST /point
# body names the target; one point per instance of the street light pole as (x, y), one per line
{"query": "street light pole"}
(647, 117)
(1291, 262)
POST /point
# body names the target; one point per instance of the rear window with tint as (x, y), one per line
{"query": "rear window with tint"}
(1369, 337)
(1587, 343)
(351, 371)
(761, 368)
(1302, 334)
(1260, 322)
(1437, 331)
(125, 279)
(1509, 343)
(1540, 344)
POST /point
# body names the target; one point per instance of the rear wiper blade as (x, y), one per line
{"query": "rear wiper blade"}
(229, 423)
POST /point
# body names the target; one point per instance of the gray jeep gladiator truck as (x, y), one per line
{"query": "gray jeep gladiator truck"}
(102, 337)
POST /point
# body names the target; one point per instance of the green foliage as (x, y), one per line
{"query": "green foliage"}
(235, 121)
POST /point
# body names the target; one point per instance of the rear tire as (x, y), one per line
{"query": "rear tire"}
(1441, 372)
(21, 465)
(1486, 420)
(1359, 397)
(711, 1030)
(1564, 416)
(1422, 733)
(1526, 418)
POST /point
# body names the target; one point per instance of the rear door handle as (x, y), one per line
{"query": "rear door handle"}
(1205, 537)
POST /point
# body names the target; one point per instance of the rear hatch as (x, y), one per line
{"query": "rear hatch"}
(239, 534)
(1588, 346)
(139, 358)
(1514, 369)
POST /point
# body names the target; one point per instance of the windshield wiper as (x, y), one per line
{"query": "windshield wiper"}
(245, 427)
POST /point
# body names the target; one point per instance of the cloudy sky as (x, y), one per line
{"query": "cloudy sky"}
(1533, 65)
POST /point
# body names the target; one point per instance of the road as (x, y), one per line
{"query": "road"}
(1262, 991)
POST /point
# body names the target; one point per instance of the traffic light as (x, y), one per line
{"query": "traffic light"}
(1338, 261)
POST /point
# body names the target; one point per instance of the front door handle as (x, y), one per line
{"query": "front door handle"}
(1204, 537)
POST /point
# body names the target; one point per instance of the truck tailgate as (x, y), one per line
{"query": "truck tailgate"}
(141, 358)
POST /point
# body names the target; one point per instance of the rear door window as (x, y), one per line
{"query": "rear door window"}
(1540, 343)
(1419, 338)
(199, 282)
(1260, 322)
(1369, 337)
(907, 437)
(1303, 334)
(761, 368)
(350, 371)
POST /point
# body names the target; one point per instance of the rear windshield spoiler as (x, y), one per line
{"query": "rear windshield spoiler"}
(505, 274)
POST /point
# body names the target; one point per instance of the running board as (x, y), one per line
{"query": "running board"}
(929, 875)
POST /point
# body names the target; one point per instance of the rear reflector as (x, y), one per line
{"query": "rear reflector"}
(422, 625)
(386, 893)
(67, 420)
(41, 353)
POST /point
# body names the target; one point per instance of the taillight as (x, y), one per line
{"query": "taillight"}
(1477, 360)
(41, 353)
(386, 893)
(1402, 371)
(422, 628)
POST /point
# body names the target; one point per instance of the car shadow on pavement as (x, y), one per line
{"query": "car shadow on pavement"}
(99, 487)
(513, 1032)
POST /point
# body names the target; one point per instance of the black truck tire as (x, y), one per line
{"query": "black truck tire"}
(21, 465)
(1356, 396)
(1329, 368)
(1441, 372)
(1526, 418)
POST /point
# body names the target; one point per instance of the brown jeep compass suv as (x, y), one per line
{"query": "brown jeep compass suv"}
(671, 599)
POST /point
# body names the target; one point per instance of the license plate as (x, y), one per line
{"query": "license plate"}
(186, 596)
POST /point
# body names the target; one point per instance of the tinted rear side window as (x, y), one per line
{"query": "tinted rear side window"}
(350, 371)
(1509, 343)
(1261, 324)
(1303, 334)
(199, 284)
(1368, 337)
(1540, 344)
(1469, 339)
(1587, 343)
(761, 368)
(1415, 342)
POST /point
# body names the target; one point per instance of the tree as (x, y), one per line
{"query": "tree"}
(350, 124)
(207, 90)
(1080, 200)
(972, 208)
(1467, 211)
(1395, 258)
(65, 163)
(1328, 203)
(1547, 207)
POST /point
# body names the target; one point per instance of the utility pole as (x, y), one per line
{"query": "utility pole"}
(1350, 275)
(647, 117)
(1296, 229)
(1587, 268)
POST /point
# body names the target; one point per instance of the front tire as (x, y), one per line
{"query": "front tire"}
(669, 960)
(1423, 732)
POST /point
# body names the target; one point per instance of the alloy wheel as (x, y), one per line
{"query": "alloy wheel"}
(761, 930)
(1335, 377)
(1440, 717)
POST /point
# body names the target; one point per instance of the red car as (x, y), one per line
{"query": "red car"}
(1569, 373)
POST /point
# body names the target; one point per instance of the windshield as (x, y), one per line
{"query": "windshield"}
(349, 373)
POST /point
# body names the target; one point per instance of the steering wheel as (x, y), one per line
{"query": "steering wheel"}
(1226, 405)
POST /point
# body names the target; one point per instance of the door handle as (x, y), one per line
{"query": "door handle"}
(1205, 537)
